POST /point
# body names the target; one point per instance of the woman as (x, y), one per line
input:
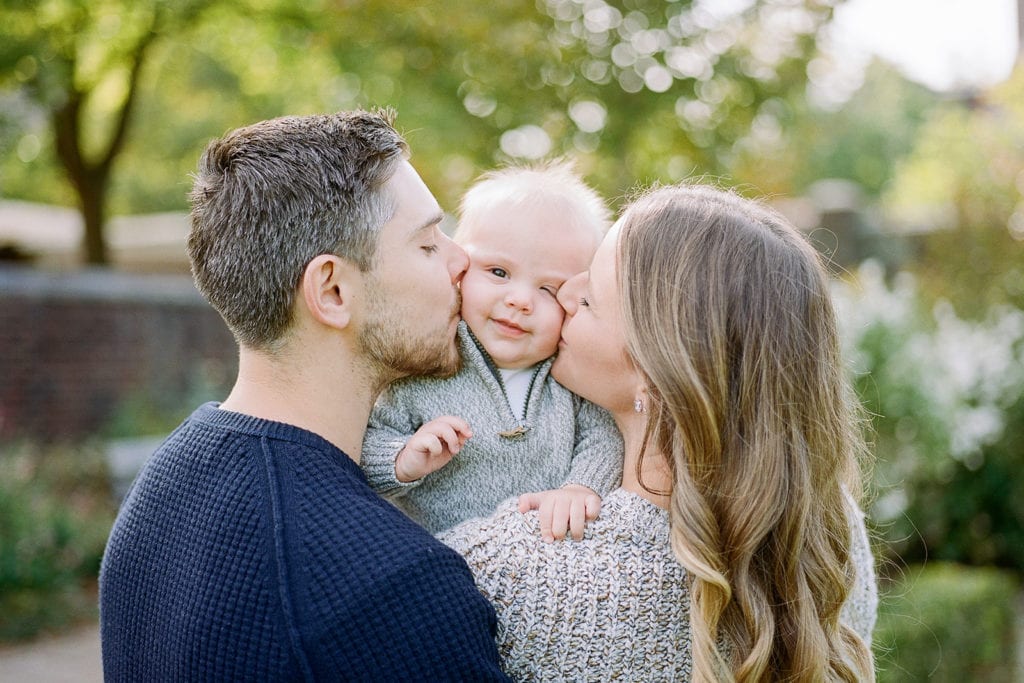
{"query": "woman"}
(734, 549)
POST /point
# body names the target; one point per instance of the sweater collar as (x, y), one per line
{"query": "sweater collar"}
(211, 414)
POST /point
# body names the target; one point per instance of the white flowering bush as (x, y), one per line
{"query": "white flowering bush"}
(946, 397)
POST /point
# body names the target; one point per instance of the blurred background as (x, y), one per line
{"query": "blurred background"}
(891, 131)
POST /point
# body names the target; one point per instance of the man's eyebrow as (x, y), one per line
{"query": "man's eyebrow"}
(428, 224)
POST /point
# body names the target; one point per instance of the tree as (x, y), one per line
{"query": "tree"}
(861, 141)
(942, 356)
(641, 90)
(636, 90)
(963, 182)
(82, 61)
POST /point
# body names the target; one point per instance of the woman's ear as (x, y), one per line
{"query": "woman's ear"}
(328, 290)
(641, 399)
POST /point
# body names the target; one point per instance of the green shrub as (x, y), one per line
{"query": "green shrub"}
(55, 514)
(158, 409)
(947, 622)
(946, 395)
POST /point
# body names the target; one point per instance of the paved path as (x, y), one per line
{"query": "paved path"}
(69, 658)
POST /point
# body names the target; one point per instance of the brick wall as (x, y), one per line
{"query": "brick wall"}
(77, 347)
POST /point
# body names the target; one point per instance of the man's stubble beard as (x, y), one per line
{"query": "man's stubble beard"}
(396, 350)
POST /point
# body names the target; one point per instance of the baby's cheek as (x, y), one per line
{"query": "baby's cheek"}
(475, 299)
(550, 327)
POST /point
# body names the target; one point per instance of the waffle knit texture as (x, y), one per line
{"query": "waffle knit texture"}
(255, 550)
(614, 606)
(563, 440)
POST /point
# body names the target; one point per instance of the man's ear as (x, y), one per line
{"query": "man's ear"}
(329, 286)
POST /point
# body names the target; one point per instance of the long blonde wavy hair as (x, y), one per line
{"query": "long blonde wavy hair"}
(730, 320)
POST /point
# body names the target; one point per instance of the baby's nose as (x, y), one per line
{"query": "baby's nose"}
(520, 299)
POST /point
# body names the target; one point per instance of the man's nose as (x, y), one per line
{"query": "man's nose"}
(458, 260)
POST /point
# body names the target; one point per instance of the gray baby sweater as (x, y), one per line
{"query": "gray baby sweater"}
(563, 440)
(614, 606)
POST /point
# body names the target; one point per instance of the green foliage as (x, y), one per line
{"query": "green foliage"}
(945, 622)
(57, 507)
(940, 353)
(964, 176)
(947, 396)
(55, 514)
(80, 64)
(636, 90)
(28, 163)
(158, 409)
(862, 141)
(974, 513)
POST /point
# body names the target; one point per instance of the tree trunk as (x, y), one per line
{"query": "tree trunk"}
(91, 178)
(88, 179)
(92, 194)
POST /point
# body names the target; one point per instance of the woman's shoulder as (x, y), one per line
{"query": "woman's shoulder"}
(477, 535)
(628, 530)
(861, 608)
(612, 603)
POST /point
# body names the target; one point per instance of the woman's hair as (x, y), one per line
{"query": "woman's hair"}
(729, 318)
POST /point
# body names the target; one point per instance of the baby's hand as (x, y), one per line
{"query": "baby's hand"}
(569, 507)
(431, 447)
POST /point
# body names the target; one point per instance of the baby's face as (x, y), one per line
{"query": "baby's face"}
(517, 261)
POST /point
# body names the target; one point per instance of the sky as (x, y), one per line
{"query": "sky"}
(944, 44)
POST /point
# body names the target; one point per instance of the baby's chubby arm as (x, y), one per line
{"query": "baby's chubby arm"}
(431, 447)
(568, 508)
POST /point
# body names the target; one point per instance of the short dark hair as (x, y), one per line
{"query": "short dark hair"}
(270, 197)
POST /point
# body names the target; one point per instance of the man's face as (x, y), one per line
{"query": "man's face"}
(412, 291)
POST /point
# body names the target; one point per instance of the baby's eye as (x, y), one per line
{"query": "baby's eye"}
(429, 248)
(584, 302)
(498, 272)
(550, 290)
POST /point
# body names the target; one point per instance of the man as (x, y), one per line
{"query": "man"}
(251, 547)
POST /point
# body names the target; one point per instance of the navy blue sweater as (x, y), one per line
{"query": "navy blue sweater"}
(254, 550)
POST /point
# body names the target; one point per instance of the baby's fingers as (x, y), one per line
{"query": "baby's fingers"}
(446, 435)
(460, 426)
(426, 443)
(577, 519)
(545, 510)
(456, 427)
(529, 501)
(560, 510)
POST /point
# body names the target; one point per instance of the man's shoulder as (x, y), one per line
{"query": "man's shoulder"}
(359, 562)
(356, 524)
(195, 460)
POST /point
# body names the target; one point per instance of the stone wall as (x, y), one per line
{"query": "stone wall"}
(78, 348)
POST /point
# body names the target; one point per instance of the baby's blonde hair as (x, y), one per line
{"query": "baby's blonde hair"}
(552, 183)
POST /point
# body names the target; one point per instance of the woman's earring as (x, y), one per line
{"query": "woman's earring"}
(638, 406)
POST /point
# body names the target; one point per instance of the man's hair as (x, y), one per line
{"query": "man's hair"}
(553, 184)
(270, 197)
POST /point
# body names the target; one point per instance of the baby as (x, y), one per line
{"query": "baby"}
(446, 450)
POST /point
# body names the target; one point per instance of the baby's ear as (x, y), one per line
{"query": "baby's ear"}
(328, 288)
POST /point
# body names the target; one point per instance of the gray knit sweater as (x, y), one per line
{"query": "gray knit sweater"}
(614, 606)
(563, 440)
